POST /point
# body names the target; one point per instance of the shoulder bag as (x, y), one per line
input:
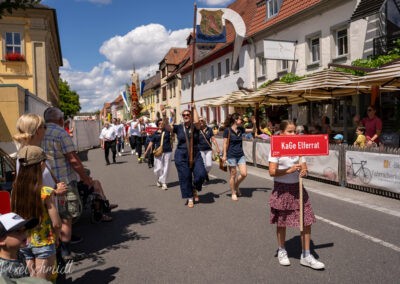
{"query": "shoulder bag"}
(223, 165)
(158, 152)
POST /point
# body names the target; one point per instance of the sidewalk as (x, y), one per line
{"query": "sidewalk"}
(360, 198)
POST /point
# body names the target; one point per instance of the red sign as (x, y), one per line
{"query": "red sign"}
(299, 145)
(151, 130)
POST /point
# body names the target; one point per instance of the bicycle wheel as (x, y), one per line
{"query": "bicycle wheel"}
(349, 172)
(365, 176)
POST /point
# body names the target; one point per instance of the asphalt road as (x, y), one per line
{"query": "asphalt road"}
(154, 238)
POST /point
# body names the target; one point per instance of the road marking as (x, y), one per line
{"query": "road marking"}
(356, 202)
(360, 234)
(378, 208)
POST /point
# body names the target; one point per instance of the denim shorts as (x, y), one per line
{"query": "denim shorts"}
(233, 162)
(38, 252)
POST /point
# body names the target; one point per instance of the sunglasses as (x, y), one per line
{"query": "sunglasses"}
(186, 114)
(370, 109)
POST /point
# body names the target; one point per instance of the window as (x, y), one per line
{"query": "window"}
(341, 42)
(273, 7)
(212, 74)
(314, 48)
(262, 66)
(13, 43)
(284, 65)
(219, 70)
(227, 67)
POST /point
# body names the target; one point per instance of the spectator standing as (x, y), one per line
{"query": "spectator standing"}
(13, 237)
(361, 140)
(338, 138)
(284, 202)
(66, 165)
(108, 138)
(373, 126)
(30, 199)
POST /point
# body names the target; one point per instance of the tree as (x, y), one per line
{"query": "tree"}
(69, 100)
(9, 5)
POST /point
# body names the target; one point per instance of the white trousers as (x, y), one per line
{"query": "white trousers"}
(207, 159)
(161, 166)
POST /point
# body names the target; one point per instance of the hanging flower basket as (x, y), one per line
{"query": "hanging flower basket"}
(14, 57)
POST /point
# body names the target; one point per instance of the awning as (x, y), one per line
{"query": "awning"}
(386, 77)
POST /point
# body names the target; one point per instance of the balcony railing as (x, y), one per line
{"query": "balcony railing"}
(382, 45)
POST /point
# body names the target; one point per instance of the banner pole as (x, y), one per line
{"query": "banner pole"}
(192, 89)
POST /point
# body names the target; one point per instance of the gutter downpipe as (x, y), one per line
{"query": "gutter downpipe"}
(257, 105)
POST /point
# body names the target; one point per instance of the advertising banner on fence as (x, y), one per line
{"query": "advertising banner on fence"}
(299, 145)
(325, 167)
(373, 170)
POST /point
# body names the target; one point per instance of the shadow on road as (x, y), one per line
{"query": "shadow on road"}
(94, 276)
(293, 247)
(104, 237)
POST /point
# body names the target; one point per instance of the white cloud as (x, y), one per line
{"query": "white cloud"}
(144, 47)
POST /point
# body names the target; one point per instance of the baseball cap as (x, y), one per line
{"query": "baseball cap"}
(338, 137)
(30, 155)
(12, 221)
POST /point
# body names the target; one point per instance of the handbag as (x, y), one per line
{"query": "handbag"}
(159, 150)
(223, 166)
(214, 155)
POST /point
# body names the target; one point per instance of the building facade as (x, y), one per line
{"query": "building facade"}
(29, 67)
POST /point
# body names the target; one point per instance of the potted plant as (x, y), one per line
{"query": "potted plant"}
(14, 56)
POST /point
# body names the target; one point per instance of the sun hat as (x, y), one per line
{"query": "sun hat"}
(30, 155)
(338, 137)
(12, 221)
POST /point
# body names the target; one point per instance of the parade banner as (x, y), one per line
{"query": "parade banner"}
(151, 130)
(373, 170)
(325, 167)
(299, 145)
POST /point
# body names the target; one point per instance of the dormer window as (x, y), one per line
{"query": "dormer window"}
(273, 7)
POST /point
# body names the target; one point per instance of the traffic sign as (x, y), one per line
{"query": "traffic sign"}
(299, 145)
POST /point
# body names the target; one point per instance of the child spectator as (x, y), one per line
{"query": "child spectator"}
(12, 238)
(29, 199)
(361, 140)
(338, 138)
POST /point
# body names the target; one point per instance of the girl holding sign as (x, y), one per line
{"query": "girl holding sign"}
(284, 202)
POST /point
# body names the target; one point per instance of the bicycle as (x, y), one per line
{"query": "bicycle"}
(363, 173)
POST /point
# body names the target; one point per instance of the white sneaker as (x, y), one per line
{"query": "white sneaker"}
(136, 153)
(119, 154)
(122, 150)
(158, 184)
(132, 152)
(310, 261)
(283, 258)
(164, 186)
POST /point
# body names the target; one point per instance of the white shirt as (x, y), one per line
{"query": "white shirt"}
(135, 128)
(120, 129)
(108, 134)
(285, 163)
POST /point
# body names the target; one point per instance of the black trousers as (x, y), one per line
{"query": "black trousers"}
(107, 146)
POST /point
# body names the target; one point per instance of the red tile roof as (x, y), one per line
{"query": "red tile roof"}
(175, 55)
(253, 13)
(288, 8)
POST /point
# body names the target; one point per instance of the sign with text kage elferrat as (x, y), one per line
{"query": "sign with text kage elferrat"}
(299, 145)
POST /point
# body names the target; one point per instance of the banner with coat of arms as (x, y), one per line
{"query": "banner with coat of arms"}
(210, 26)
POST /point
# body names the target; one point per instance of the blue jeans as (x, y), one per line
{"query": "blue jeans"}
(38, 252)
(233, 162)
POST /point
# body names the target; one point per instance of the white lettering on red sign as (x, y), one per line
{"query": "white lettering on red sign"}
(305, 145)
(289, 145)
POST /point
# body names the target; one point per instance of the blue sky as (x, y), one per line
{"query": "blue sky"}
(101, 40)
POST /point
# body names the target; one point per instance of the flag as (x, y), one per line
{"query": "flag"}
(210, 26)
(124, 98)
(142, 84)
(210, 29)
